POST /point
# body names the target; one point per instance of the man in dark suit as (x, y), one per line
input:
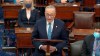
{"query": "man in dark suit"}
(91, 44)
(49, 28)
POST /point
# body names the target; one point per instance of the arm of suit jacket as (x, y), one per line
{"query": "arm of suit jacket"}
(1, 14)
(64, 37)
(35, 36)
(20, 23)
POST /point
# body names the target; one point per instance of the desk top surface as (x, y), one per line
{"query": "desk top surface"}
(23, 30)
(83, 31)
(97, 6)
(46, 40)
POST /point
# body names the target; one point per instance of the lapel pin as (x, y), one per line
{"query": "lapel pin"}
(56, 26)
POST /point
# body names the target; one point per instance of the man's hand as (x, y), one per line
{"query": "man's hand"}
(43, 47)
(52, 49)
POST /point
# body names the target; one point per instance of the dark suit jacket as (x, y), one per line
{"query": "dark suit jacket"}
(97, 1)
(1, 14)
(24, 22)
(58, 33)
(87, 47)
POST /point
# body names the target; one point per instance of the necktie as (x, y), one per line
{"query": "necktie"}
(49, 31)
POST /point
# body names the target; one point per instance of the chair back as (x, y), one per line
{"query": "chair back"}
(76, 48)
(84, 20)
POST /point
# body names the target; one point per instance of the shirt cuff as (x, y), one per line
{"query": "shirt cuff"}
(40, 46)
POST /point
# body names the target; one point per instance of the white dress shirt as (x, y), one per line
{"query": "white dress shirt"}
(47, 26)
(28, 13)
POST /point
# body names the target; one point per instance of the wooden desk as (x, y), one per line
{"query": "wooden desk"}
(65, 11)
(97, 10)
(79, 34)
(11, 10)
(23, 38)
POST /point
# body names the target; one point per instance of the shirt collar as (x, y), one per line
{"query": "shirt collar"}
(51, 22)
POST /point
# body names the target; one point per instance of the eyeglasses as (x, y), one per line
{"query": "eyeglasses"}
(51, 15)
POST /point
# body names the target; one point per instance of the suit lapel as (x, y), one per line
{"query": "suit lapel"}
(92, 43)
(31, 14)
(54, 29)
(25, 14)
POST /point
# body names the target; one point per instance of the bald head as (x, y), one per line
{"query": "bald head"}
(50, 13)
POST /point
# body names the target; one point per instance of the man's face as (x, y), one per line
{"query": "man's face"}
(50, 14)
